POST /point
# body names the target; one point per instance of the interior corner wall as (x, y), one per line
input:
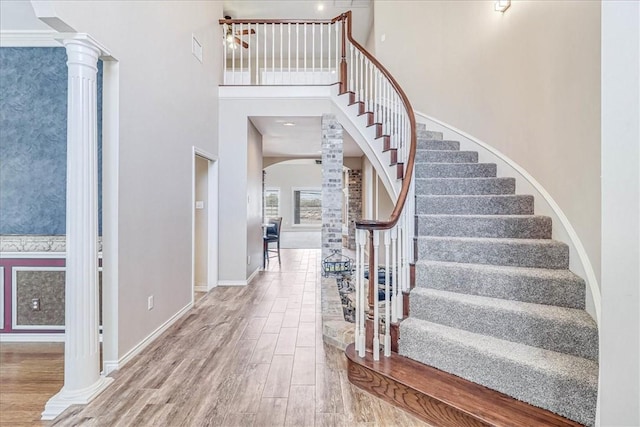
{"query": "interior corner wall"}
(254, 199)
(526, 81)
(168, 103)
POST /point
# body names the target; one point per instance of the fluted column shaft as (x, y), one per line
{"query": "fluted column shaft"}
(82, 352)
(82, 379)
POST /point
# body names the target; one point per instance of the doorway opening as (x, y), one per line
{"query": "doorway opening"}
(204, 223)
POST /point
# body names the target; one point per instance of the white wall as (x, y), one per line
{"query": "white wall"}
(254, 199)
(201, 223)
(620, 327)
(288, 175)
(167, 104)
(526, 81)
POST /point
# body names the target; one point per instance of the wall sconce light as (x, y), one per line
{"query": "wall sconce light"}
(502, 5)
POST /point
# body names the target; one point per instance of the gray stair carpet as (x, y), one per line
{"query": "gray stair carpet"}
(558, 382)
(495, 302)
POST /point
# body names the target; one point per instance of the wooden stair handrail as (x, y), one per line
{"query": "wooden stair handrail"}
(370, 224)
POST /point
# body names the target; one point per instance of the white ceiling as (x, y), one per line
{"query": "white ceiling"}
(305, 9)
(301, 140)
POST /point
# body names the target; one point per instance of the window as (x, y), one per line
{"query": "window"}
(271, 202)
(307, 206)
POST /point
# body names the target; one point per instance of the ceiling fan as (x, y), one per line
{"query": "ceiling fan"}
(234, 39)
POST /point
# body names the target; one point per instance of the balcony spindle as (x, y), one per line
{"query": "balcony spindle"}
(394, 276)
(376, 304)
(387, 295)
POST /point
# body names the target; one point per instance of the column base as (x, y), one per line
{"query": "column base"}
(65, 398)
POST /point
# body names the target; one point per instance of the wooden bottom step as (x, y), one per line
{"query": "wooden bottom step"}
(442, 399)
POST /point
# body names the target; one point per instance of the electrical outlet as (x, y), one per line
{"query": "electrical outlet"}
(35, 304)
(248, 259)
(150, 302)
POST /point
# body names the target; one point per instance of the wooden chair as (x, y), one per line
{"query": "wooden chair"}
(272, 235)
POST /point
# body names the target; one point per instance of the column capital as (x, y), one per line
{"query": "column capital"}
(84, 42)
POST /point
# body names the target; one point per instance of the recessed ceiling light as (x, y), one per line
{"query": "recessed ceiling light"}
(320, 7)
(288, 124)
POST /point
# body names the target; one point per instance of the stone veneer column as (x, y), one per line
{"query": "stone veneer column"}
(355, 204)
(332, 160)
(82, 379)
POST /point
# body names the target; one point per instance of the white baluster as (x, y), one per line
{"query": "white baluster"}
(351, 70)
(376, 308)
(362, 300)
(297, 50)
(337, 28)
(289, 49)
(305, 52)
(281, 55)
(224, 57)
(264, 70)
(358, 285)
(257, 53)
(321, 54)
(329, 56)
(387, 295)
(313, 53)
(241, 52)
(273, 53)
(394, 274)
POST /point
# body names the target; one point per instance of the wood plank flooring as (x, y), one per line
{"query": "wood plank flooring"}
(244, 356)
(30, 373)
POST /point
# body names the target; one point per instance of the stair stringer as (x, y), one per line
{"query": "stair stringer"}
(365, 136)
(563, 231)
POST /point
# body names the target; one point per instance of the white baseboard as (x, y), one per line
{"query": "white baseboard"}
(254, 274)
(110, 366)
(232, 283)
(32, 337)
(240, 282)
(201, 287)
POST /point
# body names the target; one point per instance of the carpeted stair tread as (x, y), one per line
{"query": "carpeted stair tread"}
(508, 226)
(465, 186)
(425, 142)
(510, 204)
(537, 253)
(429, 134)
(455, 170)
(565, 330)
(561, 383)
(535, 285)
(446, 156)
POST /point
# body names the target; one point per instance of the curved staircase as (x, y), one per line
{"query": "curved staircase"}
(494, 304)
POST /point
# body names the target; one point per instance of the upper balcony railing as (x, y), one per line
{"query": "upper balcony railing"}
(323, 52)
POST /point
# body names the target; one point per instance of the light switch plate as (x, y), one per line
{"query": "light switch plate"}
(199, 204)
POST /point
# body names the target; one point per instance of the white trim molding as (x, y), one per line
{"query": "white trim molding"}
(14, 300)
(241, 282)
(579, 261)
(65, 398)
(36, 337)
(28, 38)
(111, 365)
(1, 297)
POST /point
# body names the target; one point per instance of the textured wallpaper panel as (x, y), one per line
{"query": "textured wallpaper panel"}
(33, 134)
(48, 287)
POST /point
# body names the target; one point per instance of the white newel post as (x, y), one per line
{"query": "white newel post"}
(82, 379)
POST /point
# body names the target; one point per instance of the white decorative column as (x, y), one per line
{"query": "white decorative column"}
(82, 379)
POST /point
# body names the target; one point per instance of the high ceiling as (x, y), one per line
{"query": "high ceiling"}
(305, 9)
(303, 139)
